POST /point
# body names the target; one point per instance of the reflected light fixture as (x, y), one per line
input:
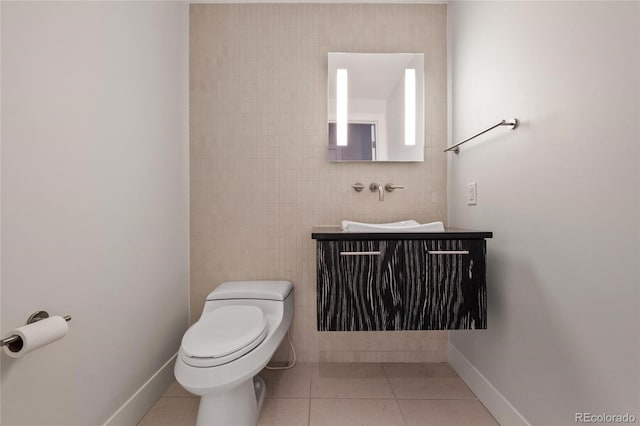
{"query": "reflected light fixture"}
(341, 106)
(409, 106)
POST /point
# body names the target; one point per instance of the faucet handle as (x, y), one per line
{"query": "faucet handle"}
(377, 187)
(391, 187)
(358, 187)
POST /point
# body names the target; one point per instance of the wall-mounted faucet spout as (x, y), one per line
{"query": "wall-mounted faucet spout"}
(378, 187)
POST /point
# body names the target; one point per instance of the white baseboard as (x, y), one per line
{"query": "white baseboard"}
(499, 407)
(137, 406)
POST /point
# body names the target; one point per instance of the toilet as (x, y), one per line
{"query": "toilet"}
(241, 326)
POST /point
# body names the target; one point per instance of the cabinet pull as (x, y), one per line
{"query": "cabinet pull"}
(448, 251)
(359, 253)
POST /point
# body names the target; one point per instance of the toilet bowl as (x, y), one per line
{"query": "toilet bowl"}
(241, 326)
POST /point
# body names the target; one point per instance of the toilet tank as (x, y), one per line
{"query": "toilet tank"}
(261, 290)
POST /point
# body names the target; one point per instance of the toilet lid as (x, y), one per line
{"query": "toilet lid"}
(224, 331)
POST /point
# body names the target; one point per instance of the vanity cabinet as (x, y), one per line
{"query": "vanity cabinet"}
(422, 281)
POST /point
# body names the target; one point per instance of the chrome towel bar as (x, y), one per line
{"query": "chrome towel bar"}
(514, 122)
(448, 251)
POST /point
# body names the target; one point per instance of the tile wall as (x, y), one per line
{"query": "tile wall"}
(259, 175)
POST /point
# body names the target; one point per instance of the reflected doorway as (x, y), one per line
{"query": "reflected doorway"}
(361, 143)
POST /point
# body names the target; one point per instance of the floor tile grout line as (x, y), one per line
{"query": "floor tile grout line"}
(384, 371)
(356, 397)
(178, 396)
(313, 366)
(392, 399)
(395, 397)
(438, 399)
(289, 397)
(360, 397)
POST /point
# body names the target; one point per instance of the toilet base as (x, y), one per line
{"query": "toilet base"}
(239, 406)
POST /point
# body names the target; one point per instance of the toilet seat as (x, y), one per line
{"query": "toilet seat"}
(223, 335)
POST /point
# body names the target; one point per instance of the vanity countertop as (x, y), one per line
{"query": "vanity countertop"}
(333, 233)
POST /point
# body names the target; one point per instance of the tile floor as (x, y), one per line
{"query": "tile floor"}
(336, 394)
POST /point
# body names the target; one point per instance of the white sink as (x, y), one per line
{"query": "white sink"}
(404, 226)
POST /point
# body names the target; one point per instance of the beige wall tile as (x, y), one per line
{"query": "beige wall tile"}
(259, 175)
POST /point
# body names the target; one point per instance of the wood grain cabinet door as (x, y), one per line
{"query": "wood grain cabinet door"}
(453, 294)
(401, 285)
(354, 291)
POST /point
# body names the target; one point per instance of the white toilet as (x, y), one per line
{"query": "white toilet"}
(241, 326)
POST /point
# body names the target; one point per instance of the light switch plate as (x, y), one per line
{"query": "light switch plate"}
(472, 194)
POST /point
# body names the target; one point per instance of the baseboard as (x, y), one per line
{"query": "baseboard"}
(137, 406)
(499, 407)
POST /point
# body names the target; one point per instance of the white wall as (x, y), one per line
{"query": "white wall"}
(561, 194)
(94, 200)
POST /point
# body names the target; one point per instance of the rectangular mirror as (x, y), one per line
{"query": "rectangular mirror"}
(376, 107)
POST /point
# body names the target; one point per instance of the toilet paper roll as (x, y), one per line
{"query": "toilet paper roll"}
(36, 335)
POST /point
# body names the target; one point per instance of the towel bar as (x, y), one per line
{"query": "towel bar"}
(514, 122)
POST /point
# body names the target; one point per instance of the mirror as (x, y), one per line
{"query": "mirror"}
(376, 107)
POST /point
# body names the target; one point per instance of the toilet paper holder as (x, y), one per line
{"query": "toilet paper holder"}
(34, 317)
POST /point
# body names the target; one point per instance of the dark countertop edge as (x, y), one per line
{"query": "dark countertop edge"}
(335, 233)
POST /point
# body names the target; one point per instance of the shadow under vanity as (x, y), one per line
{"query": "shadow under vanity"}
(373, 281)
